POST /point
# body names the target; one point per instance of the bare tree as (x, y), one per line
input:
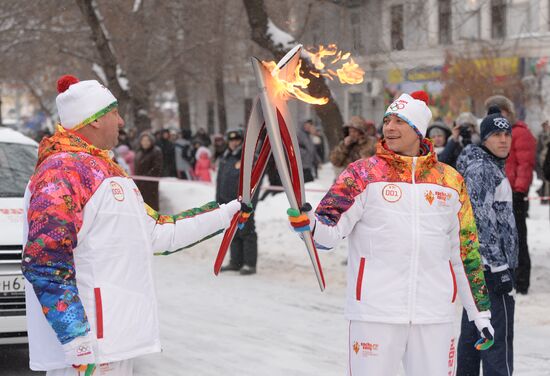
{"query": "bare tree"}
(329, 113)
(219, 70)
(33, 44)
(470, 78)
(137, 96)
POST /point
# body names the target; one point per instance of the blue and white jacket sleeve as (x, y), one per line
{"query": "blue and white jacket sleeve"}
(482, 184)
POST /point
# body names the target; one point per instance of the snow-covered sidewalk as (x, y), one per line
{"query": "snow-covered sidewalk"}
(277, 322)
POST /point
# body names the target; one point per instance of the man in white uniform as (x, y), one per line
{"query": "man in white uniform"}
(90, 239)
(412, 248)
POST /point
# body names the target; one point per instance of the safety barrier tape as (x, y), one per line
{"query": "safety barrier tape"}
(263, 188)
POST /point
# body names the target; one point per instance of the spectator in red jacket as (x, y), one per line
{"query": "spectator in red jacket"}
(519, 170)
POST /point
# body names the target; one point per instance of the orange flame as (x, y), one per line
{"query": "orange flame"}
(317, 58)
(292, 88)
(348, 72)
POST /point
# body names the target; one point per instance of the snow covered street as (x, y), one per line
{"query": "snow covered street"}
(277, 322)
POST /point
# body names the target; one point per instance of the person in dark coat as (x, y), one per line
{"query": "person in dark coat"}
(203, 137)
(124, 139)
(148, 162)
(273, 177)
(168, 153)
(519, 170)
(491, 196)
(546, 165)
(308, 154)
(219, 146)
(439, 133)
(464, 133)
(358, 143)
(244, 247)
(185, 155)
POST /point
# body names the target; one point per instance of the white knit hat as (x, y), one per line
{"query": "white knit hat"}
(414, 110)
(81, 102)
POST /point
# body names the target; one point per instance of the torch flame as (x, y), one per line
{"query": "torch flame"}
(348, 73)
(317, 58)
(286, 89)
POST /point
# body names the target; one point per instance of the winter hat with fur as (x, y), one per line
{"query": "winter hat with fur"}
(414, 110)
(503, 103)
(82, 102)
(357, 122)
(494, 122)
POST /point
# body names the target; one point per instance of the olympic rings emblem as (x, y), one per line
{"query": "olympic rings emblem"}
(396, 106)
(501, 123)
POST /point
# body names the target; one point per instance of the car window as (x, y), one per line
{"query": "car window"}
(17, 164)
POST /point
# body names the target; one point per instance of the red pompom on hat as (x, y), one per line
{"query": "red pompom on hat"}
(421, 95)
(65, 81)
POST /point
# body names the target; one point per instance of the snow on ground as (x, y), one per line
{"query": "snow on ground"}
(277, 322)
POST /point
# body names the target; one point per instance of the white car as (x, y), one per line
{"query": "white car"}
(18, 156)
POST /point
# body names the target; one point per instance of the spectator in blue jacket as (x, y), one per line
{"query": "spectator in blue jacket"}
(491, 196)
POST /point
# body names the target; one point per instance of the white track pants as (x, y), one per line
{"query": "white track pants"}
(377, 349)
(122, 368)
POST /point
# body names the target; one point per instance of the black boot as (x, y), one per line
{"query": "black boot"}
(248, 270)
(230, 268)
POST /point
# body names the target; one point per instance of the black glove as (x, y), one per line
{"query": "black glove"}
(504, 282)
(518, 196)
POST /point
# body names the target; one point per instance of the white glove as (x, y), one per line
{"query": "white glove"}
(230, 209)
(80, 350)
(482, 323)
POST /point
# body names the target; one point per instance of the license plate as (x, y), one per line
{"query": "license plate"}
(12, 283)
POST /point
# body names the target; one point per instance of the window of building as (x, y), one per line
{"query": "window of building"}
(498, 19)
(396, 13)
(445, 17)
(470, 28)
(356, 37)
(355, 104)
(522, 23)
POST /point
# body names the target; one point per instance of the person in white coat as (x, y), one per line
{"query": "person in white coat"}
(412, 248)
(89, 243)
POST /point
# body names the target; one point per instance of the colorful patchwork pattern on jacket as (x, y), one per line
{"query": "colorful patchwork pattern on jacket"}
(491, 197)
(387, 166)
(68, 172)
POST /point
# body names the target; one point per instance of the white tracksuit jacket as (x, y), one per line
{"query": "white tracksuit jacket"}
(412, 239)
(88, 256)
